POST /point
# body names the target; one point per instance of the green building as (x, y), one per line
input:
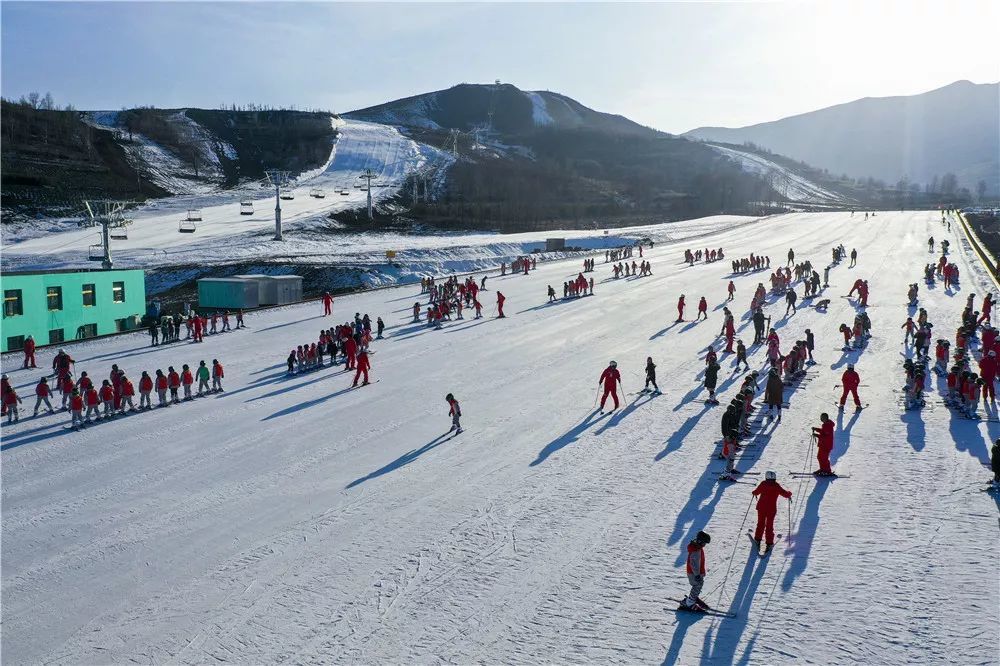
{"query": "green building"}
(54, 306)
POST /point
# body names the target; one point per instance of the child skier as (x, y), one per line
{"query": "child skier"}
(651, 375)
(455, 412)
(696, 571)
(610, 379)
(767, 494)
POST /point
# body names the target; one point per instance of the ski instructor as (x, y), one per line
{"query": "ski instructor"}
(610, 378)
(767, 494)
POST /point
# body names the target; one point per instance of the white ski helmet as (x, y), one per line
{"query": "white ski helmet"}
(770, 476)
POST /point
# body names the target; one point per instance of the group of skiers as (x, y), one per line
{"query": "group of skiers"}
(707, 254)
(197, 326)
(588, 265)
(574, 288)
(519, 265)
(115, 395)
(621, 253)
(622, 269)
(754, 262)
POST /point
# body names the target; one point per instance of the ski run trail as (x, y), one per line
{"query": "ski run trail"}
(293, 519)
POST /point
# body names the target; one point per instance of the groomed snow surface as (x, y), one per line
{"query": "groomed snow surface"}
(292, 519)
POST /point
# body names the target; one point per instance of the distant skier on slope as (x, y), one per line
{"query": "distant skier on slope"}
(680, 308)
(327, 303)
(702, 309)
(610, 379)
(767, 494)
(774, 393)
(500, 299)
(651, 375)
(455, 412)
(850, 381)
(696, 570)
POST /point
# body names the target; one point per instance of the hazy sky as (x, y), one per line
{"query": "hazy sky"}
(673, 66)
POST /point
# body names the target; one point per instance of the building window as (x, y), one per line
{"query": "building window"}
(15, 342)
(55, 336)
(87, 331)
(118, 292)
(121, 325)
(54, 295)
(12, 304)
(89, 299)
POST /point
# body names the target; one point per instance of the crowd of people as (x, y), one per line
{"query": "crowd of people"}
(168, 329)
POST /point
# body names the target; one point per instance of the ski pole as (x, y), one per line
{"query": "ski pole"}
(733, 554)
(597, 395)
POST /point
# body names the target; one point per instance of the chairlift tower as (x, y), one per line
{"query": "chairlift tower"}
(109, 215)
(369, 176)
(277, 179)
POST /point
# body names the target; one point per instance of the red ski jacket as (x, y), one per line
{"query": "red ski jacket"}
(696, 559)
(610, 377)
(107, 394)
(162, 383)
(217, 370)
(42, 390)
(127, 388)
(826, 436)
(187, 378)
(92, 399)
(767, 494)
(76, 403)
(173, 379)
(146, 384)
(363, 362)
(850, 379)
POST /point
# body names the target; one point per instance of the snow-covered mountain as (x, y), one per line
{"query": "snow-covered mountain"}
(296, 519)
(952, 129)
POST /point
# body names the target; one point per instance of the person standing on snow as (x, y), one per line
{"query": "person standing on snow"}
(217, 375)
(500, 299)
(202, 374)
(379, 327)
(791, 257)
(850, 381)
(767, 494)
(29, 352)
(790, 297)
(680, 309)
(455, 412)
(774, 392)
(363, 366)
(42, 394)
(327, 304)
(824, 444)
(711, 381)
(732, 291)
(696, 570)
(995, 461)
(651, 375)
(702, 309)
(741, 356)
(610, 379)
(854, 258)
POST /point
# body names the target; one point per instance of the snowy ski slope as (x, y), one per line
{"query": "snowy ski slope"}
(154, 238)
(787, 183)
(296, 520)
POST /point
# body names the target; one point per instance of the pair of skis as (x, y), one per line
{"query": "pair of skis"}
(767, 548)
(701, 610)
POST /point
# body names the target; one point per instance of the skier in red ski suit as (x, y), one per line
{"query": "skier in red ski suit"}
(363, 366)
(350, 351)
(680, 308)
(824, 444)
(610, 378)
(767, 494)
(327, 303)
(29, 352)
(850, 380)
(500, 299)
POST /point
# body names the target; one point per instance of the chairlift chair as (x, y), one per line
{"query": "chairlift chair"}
(317, 193)
(345, 193)
(246, 208)
(187, 226)
(287, 195)
(118, 233)
(193, 215)
(96, 253)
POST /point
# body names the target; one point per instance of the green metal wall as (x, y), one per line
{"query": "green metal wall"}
(37, 320)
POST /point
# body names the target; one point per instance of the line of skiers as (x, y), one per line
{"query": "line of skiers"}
(574, 288)
(519, 265)
(709, 255)
(196, 325)
(622, 269)
(754, 262)
(588, 265)
(620, 253)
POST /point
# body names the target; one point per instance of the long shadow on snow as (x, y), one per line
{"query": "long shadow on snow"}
(698, 510)
(663, 331)
(619, 415)
(722, 649)
(401, 461)
(684, 622)
(545, 306)
(310, 403)
(567, 438)
(292, 323)
(842, 435)
(968, 438)
(802, 540)
(295, 387)
(27, 437)
(916, 434)
(675, 440)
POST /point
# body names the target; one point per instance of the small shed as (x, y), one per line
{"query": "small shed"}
(265, 290)
(287, 289)
(555, 244)
(230, 293)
